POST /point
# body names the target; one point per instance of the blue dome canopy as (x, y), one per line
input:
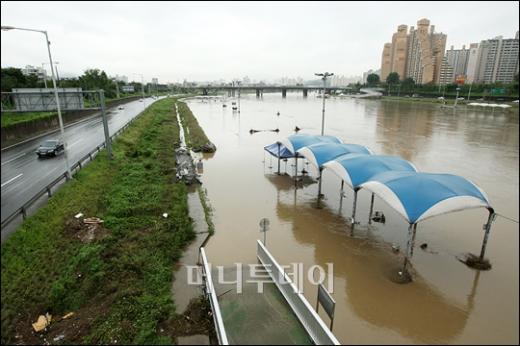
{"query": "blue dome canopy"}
(356, 169)
(282, 152)
(419, 196)
(295, 142)
(320, 153)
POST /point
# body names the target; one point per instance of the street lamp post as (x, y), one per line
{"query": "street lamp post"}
(324, 79)
(238, 84)
(62, 131)
(456, 97)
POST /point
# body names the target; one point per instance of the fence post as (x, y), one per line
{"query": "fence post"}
(24, 213)
(49, 191)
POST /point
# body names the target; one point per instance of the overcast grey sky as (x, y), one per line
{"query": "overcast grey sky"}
(209, 41)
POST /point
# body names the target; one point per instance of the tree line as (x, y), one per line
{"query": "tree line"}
(394, 84)
(91, 79)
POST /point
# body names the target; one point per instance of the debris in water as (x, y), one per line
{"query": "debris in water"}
(42, 322)
(278, 113)
(474, 261)
(254, 131)
(395, 248)
(77, 216)
(185, 166)
(208, 148)
(424, 246)
(379, 217)
(296, 129)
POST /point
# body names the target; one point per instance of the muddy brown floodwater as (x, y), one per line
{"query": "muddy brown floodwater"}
(447, 302)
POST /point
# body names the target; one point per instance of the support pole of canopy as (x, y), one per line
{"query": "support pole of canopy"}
(371, 209)
(409, 246)
(341, 195)
(487, 228)
(278, 157)
(319, 186)
(413, 239)
(296, 170)
(354, 209)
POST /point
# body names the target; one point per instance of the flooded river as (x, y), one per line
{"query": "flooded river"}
(447, 302)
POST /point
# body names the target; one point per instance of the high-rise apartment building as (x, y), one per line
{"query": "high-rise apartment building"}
(497, 60)
(455, 63)
(471, 67)
(417, 54)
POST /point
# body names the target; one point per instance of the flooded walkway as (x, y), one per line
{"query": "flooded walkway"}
(253, 318)
(448, 302)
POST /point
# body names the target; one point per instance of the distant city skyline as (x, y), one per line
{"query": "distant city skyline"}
(225, 40)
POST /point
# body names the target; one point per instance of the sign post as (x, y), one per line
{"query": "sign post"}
(264, 227)
(328, 303)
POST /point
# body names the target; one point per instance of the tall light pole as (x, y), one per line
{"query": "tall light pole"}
(456, 97)
(62, 131)
(324, 79)
(238, 84)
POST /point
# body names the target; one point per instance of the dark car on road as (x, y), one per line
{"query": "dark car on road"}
(50, 147)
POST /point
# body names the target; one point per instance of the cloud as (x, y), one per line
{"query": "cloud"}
(205, 41)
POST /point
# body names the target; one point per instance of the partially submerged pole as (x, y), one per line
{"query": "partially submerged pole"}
(354, 209)
(371, 209)
(487, 228)
(319, 186)
(412, 228)
(296, 169)
(278, 157)
(341, 195)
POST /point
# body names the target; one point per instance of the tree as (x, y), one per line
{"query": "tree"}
(393, 78)
(373, 79)
(14, 78)
(94, 79)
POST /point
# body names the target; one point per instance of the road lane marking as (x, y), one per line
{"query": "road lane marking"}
(14, 158)
(76, 142)
(11, 180)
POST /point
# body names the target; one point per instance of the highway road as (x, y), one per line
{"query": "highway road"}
(24, 174)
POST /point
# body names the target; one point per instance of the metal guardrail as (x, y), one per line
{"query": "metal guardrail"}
(213, 299)
(48, 189)
(310, 320)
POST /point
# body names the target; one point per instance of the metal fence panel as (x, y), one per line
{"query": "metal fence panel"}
(213, 299)
(310, 320)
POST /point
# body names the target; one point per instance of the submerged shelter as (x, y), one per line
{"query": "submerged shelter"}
(416, 196)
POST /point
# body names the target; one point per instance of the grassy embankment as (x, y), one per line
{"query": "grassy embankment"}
(195, 136)
(118, 284)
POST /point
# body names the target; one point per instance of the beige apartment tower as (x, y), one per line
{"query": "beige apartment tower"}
(417, 54)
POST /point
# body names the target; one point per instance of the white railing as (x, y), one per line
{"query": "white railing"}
(310, 320)
(213, 299)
